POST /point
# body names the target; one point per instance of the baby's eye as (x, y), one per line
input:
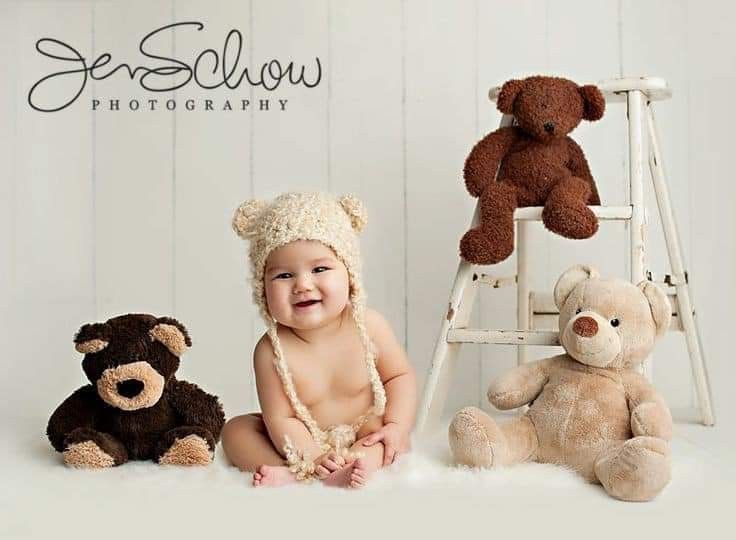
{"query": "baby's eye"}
(282, 275)
(320, 269)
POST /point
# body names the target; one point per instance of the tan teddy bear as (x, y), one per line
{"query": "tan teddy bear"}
(589, 409)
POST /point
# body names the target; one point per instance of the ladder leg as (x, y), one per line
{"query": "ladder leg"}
(637, 224)
(445, 354)
(523, 320)
(684, 303)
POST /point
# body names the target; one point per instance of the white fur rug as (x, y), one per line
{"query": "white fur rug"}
(420, 495)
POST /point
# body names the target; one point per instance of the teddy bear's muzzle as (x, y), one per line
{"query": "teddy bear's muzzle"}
(131, 386)
(589, 341)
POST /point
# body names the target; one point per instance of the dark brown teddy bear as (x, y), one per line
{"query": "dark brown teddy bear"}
(537, 165)
(135, 407)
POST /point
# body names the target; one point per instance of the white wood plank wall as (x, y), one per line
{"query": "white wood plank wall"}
(109, 212)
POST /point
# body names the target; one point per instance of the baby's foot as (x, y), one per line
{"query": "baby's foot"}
(350, 476)
(273, 476)
(359, 476)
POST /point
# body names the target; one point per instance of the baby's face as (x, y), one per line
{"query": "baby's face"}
(306, 285)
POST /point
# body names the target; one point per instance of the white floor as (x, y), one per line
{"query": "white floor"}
(421, 496)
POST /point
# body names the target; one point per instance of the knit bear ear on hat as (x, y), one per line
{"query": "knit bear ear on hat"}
(245, 220)
(355, 210)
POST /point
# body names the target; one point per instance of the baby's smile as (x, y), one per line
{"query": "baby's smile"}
(306, 304)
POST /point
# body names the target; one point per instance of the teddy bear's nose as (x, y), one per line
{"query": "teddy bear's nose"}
(585, 327)
(130, 388)
(549, 127)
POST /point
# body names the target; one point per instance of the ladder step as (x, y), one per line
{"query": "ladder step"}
(503, 337)
(494, 281)
(603, 213)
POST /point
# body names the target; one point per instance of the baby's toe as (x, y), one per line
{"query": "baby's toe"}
(322, 472)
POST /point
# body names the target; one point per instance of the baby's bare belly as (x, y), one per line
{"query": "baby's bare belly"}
(340, 408)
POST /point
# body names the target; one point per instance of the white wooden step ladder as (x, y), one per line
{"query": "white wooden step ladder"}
(536, 309)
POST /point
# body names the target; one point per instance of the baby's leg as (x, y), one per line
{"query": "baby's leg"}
(247, 445)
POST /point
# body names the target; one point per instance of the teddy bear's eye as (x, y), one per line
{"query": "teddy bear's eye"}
(615, 322)
(578, 311)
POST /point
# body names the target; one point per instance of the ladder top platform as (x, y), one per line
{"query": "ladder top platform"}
(605, 213)
(655, 88)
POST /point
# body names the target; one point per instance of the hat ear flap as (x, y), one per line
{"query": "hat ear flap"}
(92, 338)
(172, 334)
(594, 104)
(245, 219)
(569, 280)
(355, 211)
(507, 95)
(659, 305)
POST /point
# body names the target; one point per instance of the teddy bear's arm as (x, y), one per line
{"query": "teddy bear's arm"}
(578, 166)
(485, 157)
(650, 415)
(198, 408)
(76, 411)
(519, 386)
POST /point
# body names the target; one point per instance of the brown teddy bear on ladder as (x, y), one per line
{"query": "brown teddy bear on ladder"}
(537, 165)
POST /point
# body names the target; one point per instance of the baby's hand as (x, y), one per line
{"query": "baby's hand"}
(395, 439)
(328, 463)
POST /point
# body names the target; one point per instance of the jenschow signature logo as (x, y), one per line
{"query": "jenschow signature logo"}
(271, 75)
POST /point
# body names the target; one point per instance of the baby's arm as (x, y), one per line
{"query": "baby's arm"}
(399, 381)
(278, 414)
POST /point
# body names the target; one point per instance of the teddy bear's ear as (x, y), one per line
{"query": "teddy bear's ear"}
(594, 104)
(92, 338)
(355, 210)
(569, 280)
(507, 95)
(659, 305)
(172, 334)
(246, 218)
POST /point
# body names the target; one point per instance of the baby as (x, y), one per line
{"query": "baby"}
(343, 403)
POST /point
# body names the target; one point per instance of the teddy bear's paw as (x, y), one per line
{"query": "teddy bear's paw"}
(477, 247)
(653, 420)
(87, 455)
(638, 470)
(577, 222)
(469, 441)
(189, 450)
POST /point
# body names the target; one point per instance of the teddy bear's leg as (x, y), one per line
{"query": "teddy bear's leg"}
(566, 210)
(476, 439)
(86, 448)
(493, 240)
(635, 470)
(186, 445)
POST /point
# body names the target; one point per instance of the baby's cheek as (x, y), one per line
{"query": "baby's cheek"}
(275, 299)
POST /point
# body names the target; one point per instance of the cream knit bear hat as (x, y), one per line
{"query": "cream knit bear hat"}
(335, 222)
